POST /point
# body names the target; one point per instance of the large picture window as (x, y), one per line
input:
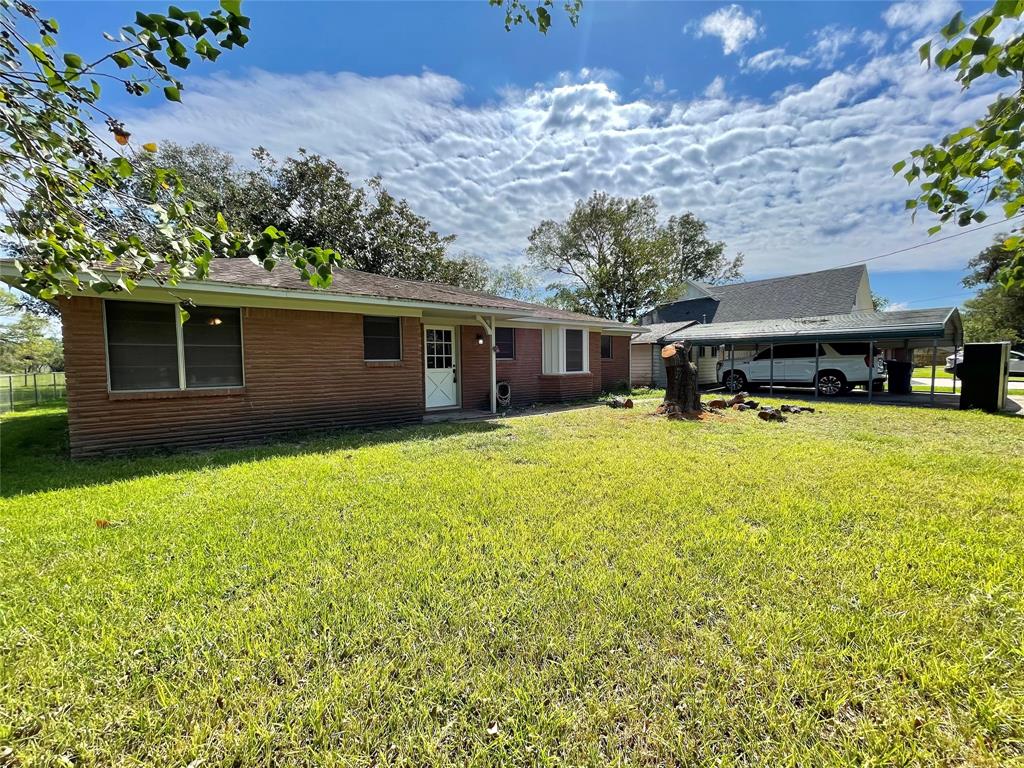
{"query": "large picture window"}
(142, 345)
(505, 341)
(148, 350)
(382, 338)
(573, 350)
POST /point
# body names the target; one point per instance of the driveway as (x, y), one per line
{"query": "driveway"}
(1015, 385)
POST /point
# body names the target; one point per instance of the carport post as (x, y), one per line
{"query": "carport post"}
(771, 368)
(871, 368)
(817, 351)
(956, 349)
(935, 352)
(732, 362)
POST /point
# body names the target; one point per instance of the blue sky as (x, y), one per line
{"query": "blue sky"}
(776, 122)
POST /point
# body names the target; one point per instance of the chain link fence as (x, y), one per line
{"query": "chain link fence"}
(19, 390)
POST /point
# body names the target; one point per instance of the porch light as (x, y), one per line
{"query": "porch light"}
(480, 339)
(214, 321)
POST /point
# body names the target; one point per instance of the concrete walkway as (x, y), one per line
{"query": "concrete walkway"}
(1015, 386)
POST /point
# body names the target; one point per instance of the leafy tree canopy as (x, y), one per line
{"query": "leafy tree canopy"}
(979, 165)
(312, 200)
(620, 261)
(26, 346)
(65, 183)
(996, 313)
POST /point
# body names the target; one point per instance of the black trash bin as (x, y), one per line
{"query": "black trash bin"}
(900, 375)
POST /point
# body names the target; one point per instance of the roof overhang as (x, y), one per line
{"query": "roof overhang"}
(948, 329)
(230, 294)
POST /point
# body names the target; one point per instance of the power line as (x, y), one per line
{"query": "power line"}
(931, 242)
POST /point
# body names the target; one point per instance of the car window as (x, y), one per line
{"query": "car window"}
(788, 351)
(764, 354)
(850, 348)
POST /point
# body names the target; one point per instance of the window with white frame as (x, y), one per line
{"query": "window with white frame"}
(148, 349)
(565, 350)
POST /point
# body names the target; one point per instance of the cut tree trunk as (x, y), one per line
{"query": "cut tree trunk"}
(681, 389)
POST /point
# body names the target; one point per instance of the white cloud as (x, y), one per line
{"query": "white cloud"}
(716, 88)
(830, 42)
(655, 84)
(799, 181)
(774, 58)
(734, 27)
(920, 15)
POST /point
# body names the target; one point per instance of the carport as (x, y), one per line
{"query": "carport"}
(894, 334)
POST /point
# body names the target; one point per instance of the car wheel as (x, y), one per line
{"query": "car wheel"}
(734, 381)
(831, 383)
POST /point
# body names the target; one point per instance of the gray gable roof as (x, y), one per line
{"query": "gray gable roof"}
(828, 292)
(654, 333)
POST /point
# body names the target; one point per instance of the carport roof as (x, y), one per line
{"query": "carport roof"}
(938, 323)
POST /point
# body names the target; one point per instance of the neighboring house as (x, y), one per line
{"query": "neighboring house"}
(263, 353)
(828, 292)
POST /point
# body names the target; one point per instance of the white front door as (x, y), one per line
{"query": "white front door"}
(439, 353)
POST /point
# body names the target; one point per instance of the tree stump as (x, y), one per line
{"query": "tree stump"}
(681, 389)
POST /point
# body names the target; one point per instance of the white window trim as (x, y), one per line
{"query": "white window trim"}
(181, 353)
(401, 341)
(586, 351)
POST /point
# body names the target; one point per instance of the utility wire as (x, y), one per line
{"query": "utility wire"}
(931, 242)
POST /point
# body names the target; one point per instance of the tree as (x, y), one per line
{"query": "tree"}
(979, 164)
(514, 282)
(620, 261)
(64, 184)
(695, 257)
(312, 200)
(879, 302)
(25, 346)
(996, 313)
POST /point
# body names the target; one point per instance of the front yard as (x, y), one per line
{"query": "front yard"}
(578, 588)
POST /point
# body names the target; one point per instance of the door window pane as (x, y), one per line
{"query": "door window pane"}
(440, 348)
(573, 350)
(213, 347)
(382, 338)
(142, 345)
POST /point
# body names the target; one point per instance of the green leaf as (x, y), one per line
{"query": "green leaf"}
(899, 166)
(183, 315)
(122, 59)
(233, 7)
(122, 166)
(933, 230)
(222, 223)
(955, 26)
(172, 93)
(38, 52)
(73, 60)
(925, 52)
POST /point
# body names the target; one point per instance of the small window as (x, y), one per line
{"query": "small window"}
(606, 347)
(573, 350)
(213, 347)
(382, 338)
(505, 341)
(142, 345)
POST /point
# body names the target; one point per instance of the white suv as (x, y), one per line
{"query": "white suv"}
(841, 367)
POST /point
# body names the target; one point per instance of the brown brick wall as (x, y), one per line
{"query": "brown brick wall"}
(302, 370)
(522, 373)
(615, 372)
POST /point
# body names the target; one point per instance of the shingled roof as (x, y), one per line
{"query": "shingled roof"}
(353, 283)
(827, 292)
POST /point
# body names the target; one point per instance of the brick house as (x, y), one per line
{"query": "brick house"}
(263, 353)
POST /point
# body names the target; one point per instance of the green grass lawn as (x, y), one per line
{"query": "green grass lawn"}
(595, 586)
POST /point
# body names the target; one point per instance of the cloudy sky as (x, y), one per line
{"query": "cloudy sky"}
(776, 122)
